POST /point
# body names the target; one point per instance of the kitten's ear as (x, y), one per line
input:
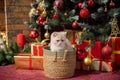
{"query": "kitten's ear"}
(54, 34)
(64, 33)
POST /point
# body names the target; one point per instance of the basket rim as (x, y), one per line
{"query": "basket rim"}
(47, 51)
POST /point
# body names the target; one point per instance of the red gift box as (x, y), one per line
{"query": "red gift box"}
(95, 50)
(114, 42)
(37, 49)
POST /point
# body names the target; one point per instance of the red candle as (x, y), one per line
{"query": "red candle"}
(21, 40)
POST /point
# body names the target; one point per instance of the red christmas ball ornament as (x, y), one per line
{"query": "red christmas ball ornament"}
(75, 24)
(80, 4)
(40, 20)
(34, 34)
(112, 4)
(84, 13)
(106, 51)
(58, 4)
(55, 16)
(90, 3)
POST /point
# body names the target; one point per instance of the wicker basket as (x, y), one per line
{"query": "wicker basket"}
(59, 64)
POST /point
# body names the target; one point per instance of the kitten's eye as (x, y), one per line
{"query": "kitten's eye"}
(62, 40)
(58, 40)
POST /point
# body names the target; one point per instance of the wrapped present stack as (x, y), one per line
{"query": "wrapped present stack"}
(33, 60)
(27, 61)
(95, 59)
(114, 42)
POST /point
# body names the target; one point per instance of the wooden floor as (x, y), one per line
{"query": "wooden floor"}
(10, 73)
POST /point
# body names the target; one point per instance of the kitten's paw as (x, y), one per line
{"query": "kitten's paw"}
(64, 60)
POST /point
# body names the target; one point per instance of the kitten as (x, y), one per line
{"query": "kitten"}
(59, 42)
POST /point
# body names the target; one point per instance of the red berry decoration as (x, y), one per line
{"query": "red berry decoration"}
(55, 16)
(84, 13)
(38, 8)
(34, 34)
(58, 4)
(80, 4)
(106, 51)
(90, 3)
(75, 24)
(40, 20)
(112, 4)
(81, 54)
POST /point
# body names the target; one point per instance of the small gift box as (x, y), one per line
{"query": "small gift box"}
(27, 61)
(115, 44)
(96, 65)
(37, 49)
(101, 65)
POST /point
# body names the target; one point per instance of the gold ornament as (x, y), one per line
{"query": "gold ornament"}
(65, 13)
(114, 27)
(44, 13)
(41, 5)
(88, 61)
(33, 11)
(79, 34)
(3, 35)
(47, 35)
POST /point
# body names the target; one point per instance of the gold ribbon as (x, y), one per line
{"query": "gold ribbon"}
(89, 52)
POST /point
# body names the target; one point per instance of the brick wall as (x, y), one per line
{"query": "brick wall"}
(17, 13)
(2, 16)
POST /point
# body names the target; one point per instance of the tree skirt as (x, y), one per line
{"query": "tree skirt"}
(10, 73)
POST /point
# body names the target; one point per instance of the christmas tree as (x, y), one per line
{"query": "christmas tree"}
(93, 17)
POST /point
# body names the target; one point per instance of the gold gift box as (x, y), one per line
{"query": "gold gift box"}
(27, 61)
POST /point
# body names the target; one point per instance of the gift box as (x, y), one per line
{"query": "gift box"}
(96, 65)
(37, 49)
(114, 42)
(27, 61)
(101, 65)
(95, 50)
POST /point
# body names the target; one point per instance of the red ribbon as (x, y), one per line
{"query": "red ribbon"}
(100, 66)
(30, 62)
(81, 65)
(101, 60)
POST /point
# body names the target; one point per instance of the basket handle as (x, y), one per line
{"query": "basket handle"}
(65, 56)
(55, 57)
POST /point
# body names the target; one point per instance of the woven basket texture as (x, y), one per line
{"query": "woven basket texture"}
(59, 68)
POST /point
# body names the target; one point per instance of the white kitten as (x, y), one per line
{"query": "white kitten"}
(59, 41)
